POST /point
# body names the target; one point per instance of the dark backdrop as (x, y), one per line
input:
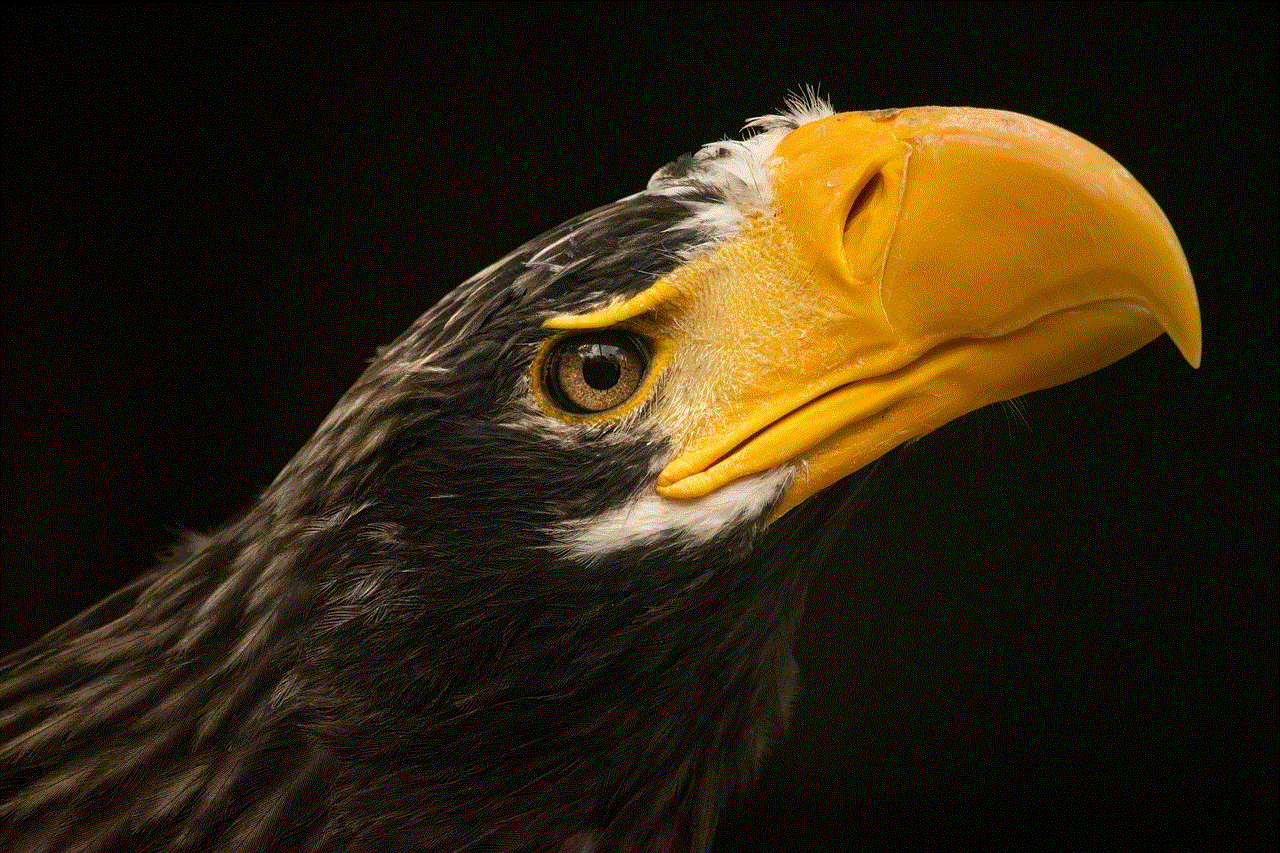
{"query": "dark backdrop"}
(1064, 628)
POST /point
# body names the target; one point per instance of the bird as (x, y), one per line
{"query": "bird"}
(534, 583)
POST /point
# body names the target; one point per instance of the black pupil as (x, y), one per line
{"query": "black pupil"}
(601, 366)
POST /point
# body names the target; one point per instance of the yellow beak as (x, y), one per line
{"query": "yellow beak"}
(962, 257)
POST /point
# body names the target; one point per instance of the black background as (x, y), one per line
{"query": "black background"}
(1064, 630)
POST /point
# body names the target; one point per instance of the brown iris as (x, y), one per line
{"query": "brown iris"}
(595, 371)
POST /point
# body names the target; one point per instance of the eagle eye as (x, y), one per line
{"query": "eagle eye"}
(595, 371)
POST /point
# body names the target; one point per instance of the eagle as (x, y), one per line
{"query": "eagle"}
(533, 584)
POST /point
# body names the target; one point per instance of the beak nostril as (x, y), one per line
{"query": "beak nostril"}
(859, 222)
(870, 190)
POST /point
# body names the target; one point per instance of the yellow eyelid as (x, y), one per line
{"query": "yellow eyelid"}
(659, 293)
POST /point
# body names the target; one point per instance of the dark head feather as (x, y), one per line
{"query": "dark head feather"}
(390, 652)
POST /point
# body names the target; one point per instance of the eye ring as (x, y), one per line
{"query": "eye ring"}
(594, 372)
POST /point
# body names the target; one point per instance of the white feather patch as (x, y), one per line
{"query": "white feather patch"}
(739, 169)
(651, 517)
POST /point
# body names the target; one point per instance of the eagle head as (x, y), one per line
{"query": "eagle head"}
(533, 584)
